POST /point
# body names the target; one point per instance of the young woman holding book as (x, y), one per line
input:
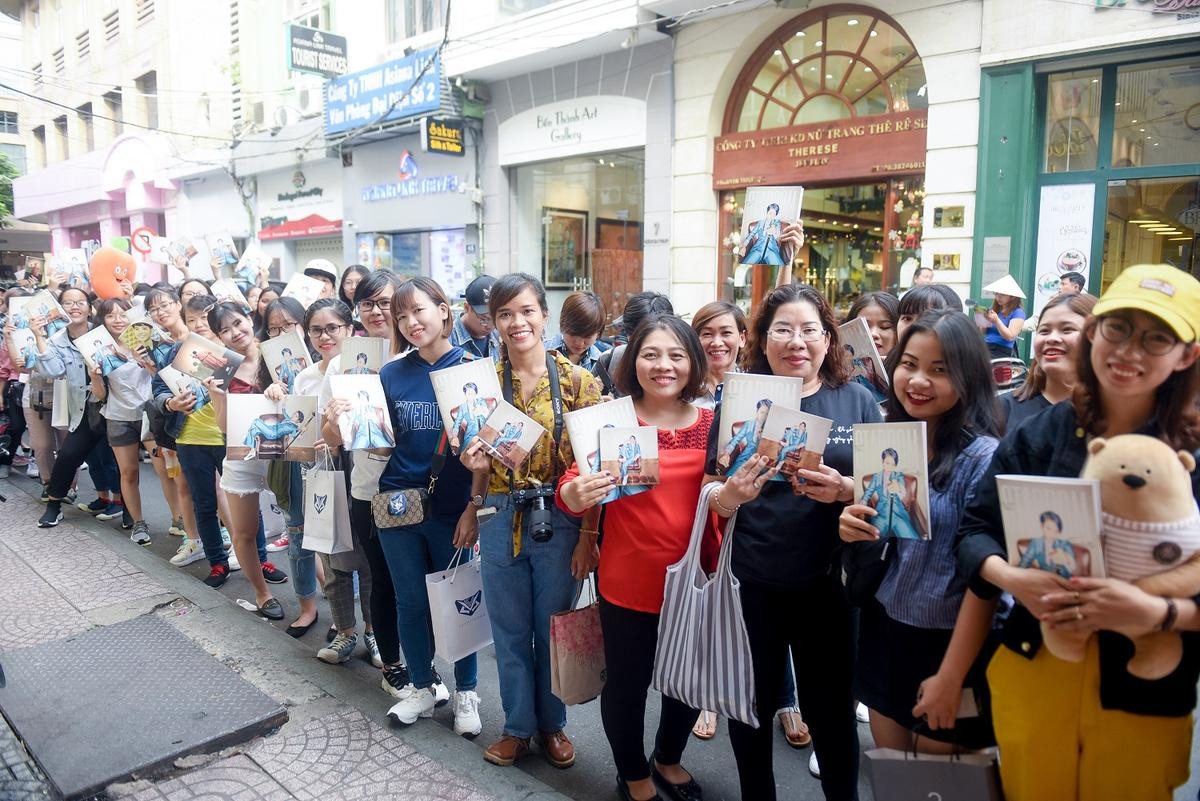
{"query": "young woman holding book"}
(1089, 729)
(784, 541)
(1055, 348)
(422, 322)
(881, 310)
(529, 572)
(644, 534)
(922, 634)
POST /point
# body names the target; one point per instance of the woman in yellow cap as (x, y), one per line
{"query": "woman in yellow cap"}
(1060, 737)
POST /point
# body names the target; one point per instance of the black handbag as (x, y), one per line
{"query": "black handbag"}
(861, 566)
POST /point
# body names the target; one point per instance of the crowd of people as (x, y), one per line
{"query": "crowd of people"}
(950, 623)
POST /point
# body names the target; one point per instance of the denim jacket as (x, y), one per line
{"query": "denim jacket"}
(63, 360)
(161, 393)
(461, 337)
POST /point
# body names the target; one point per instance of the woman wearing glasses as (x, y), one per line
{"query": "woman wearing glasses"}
(373, 298)
(1091, 730)
(783, 544)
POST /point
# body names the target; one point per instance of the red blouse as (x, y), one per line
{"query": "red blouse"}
(646, 533)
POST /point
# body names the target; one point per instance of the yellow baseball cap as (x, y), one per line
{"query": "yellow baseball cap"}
(1164, 291)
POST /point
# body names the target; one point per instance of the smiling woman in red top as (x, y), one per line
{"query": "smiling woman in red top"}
(643, 534)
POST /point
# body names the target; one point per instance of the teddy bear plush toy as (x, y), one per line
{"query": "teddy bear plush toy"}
(1151, 538)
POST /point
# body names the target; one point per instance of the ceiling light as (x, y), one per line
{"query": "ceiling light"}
(1095, 80)
(828, 77)
(1141, 130)
(1118, 102)
(874, 34)
(795, 61)
(1167, 233)
(1180, 239)
(800, 34)
(819, 43)
(851, 21)
(1134, 121)
(1141, 221)
(779, 52)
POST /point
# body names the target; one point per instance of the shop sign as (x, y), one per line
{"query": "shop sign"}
(316, 52)
(1183, 9)
(865, 148)
(595, 124)
(294, 204)
(410, 183)
(447, 137)
(393, 89)
(1064, 242)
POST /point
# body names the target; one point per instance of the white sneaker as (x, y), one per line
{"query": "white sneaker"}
(31, 470)
(190, 550)
(234, 564)
(813, 767)
(862, 713)
(466, 714)
(440, 692)
(417, 704)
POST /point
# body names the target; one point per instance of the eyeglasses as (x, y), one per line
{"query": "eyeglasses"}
(1153, 341)
(784, 333)
(74, 304)
(330, 331)
(160, 309)
(276, 330)
(365, 306)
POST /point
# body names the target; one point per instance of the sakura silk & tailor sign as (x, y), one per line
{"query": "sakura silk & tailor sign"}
(864, 148)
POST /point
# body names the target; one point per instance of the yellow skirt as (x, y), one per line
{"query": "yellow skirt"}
(1058, 744)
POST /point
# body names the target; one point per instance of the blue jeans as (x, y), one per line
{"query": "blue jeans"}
(200, 465)
(522, 593)
(102, 466)
(303, 562)
(411, 553)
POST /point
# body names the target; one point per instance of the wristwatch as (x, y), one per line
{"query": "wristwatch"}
(477, 501)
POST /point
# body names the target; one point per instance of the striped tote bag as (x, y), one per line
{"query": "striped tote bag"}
(703, 656)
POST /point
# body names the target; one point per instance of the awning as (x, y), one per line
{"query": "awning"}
(312, 225)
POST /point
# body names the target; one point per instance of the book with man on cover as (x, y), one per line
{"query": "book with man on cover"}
(466, 395)
(583, 430)
(510, 435)
(866, 367)
(793, 439)
(1052, 524)
(631, 455)
(891, 475)
(745, 402)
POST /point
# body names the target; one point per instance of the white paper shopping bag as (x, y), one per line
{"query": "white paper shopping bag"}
(326, 512)
(461, 625)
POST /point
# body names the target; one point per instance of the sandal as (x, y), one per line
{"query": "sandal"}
(795, 730)
(706, 725)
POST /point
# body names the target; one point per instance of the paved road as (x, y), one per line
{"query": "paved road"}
(593, 775)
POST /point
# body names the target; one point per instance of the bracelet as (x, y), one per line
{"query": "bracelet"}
(722, 509)
(1172, 613)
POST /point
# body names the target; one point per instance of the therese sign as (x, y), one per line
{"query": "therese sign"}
(856, 148)
(594, 124)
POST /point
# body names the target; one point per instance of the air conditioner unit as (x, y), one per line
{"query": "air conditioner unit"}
(284, 116)
(310, 101)
(258, 113)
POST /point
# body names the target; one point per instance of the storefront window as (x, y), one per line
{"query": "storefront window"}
(579, 217)
(1152, 221)
(440, 255)
(858, 238)
(1072, 121)
(1157, 114)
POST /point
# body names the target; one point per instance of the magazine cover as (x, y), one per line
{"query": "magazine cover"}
(793, 439)
(364, 355)
(866, 367)
(187, 257)
(891, 475)
(745, 403)
(25, 343)
(766, 211)
(509, 435)
(630, 454)
(368, 424)
(583, 429)
(143, 334)
(70, 267)
(99, 349)
(41, 304)
(253, 264)
(466, 394)
(303, 288)
(260, 428)
(1052, 524)
(35, 270)
(201, 358)
(286, 355)
(180, 383)
(223, 252)
(226, 289)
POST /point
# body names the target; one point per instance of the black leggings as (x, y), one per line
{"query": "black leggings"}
(16, 418)
(383, 595)
(74, 452)
(630, 641)
(815, 621)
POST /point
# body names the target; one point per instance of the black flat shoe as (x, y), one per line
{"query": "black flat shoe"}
(624, 794)
(688, 791)
(300, 631)
(272, 610)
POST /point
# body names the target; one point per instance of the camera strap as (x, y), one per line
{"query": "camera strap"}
(556, 404)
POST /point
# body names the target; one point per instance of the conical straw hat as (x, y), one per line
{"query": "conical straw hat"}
(1005, 286)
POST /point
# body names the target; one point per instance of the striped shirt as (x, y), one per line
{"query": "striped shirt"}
(923, 587)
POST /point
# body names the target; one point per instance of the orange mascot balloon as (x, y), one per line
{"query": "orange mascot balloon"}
(112, 273)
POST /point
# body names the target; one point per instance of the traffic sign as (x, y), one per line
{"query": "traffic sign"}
(140, 240)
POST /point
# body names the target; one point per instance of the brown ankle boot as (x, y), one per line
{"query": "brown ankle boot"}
(557, 748)
(507, 750)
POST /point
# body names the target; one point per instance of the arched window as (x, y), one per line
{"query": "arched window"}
(829, 64)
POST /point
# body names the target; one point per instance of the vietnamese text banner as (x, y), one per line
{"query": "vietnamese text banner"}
(362, 97)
